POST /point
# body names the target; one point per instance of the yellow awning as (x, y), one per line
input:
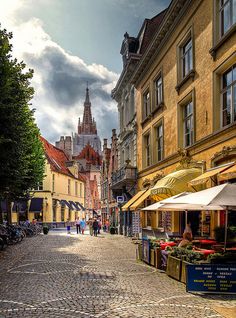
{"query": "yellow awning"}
(230, 173)
(174, 183)
(132, 200)
(141, 199)
(208, 174)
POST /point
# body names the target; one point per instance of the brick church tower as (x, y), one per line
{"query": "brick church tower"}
(87, 131)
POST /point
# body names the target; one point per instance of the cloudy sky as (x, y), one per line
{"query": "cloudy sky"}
(69, 43)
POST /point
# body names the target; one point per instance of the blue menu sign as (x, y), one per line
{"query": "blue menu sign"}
(211, 278)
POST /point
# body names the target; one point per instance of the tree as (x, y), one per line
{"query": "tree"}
(21, 151)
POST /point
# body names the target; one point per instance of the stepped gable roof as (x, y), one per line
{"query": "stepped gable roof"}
(57, 159)
(150, 26)
(90, 155)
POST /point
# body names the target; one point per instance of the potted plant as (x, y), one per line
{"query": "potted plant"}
(45, 229)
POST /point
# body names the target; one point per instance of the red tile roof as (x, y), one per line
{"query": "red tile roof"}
(151, 26)
(57, 159)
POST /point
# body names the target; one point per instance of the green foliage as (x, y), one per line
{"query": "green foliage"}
(21, 151)
(222, 258)
(187, 254)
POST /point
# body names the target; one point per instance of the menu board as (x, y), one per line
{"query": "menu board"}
(136, 227)
(211, 278)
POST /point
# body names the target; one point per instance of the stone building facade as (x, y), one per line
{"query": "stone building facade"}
(185, 97)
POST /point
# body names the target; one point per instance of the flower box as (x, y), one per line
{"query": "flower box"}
(184, 271)
(174, 267)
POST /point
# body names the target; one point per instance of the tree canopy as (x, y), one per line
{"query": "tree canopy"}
(21, 151)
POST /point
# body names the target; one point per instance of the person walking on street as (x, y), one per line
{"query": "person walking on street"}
(95, 227)
(82, 225)
(68, 226)
(90, 223)
(77, 224)
(99, 226)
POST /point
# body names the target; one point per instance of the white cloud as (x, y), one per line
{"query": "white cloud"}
(60, 78)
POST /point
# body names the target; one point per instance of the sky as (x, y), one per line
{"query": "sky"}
(69, 43)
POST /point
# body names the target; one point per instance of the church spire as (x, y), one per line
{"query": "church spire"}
(87, 95)
(88, 125)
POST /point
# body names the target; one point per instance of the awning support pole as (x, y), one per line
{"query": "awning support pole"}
(226, 227)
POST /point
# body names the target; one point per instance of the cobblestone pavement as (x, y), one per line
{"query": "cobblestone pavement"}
(60, 275)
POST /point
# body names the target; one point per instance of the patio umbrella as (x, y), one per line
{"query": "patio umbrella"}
(157, 205)
(222, 197)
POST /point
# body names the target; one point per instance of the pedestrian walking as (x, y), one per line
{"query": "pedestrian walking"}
(99, 226)
(95, 227)
(77, 224)
(90, 223)
(82, 226)
(107, 225)
(68, 226)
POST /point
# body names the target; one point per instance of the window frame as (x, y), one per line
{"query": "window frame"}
(158, 104)
(230, 87)
(160, 123)
(221, 7)
(147, 160)
(189, 98)
(217, 88)
(219, 39)
(146, 104)
(188, 117)
(181, 77)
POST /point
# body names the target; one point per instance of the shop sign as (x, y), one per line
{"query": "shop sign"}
(120, 199)
(220, 279)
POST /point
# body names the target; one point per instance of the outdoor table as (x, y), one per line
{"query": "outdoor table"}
(164, 245)
(205, 252)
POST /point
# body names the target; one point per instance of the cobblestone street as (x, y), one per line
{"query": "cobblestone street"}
(60, 275)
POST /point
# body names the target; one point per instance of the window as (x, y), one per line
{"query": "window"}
(76, 188)
(158, 91)
(54, 210)
(147, 150)
(188, 128)
(186, 58)
(227, 15)
(63, 213)
(80, 190)
(53, 183)
(159, 142)
(228, 96)
(146, 105)
(68, 186)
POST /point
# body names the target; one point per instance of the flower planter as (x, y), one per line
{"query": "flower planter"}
(152, 257)
(139, 251)
(174, 267)
(184, 271)
(158, 258)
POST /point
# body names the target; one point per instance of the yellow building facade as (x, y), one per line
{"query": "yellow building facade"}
(186, 99)
(61, 195)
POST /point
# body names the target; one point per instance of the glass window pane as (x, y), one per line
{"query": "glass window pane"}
(234, 11)
(234, 71)
(226, 18)
(234, 103)
(227, 78)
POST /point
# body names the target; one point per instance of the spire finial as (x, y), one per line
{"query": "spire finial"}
(87, 95)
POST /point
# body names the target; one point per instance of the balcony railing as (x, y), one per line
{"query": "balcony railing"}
(126, 175)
